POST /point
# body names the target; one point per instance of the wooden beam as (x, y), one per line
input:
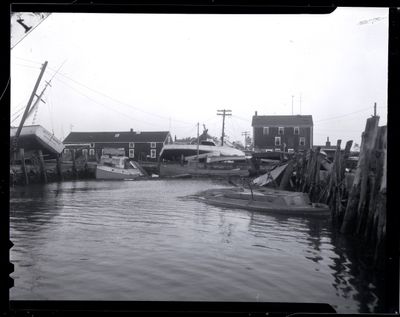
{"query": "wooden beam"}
(355, 206)
(24, 171)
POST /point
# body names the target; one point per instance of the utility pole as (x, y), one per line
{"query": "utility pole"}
(300, 103)
(374, 109)
(246, 134)
(28, 106)
(223, 113)
(292, 104)
(198, 141)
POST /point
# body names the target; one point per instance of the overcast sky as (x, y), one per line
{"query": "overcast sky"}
(168, 72)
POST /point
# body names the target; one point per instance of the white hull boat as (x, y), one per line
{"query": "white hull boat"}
(118, 168)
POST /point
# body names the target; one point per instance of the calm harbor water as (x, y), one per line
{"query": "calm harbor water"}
(143, 240)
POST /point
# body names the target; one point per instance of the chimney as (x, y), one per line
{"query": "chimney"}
(255, 113)
(131, 130)
(327, 142)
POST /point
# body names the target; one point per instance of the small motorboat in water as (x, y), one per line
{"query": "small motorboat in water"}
(118, 167)
(270, 200)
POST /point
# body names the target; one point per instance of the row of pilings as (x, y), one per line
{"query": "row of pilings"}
(40, 171)
(357, 199)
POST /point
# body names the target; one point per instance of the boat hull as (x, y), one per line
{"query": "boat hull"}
(168, 170)
(106, 172)
(285, 204)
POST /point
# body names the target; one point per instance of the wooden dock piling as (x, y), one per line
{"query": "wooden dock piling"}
(23, 166)
(355, 208)
(357, 199)
(74, 171)
(42, 166)
(59, 169)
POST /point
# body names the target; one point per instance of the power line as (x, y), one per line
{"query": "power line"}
(27, 60)
(241, 118)
(344, 115)
(121, 102)
(5, 88)
(27, 66)
(103, 94)
(101, 104)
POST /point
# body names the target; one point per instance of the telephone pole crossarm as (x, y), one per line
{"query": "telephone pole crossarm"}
(223, 113)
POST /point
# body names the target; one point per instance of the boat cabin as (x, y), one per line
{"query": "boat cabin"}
(117, 161)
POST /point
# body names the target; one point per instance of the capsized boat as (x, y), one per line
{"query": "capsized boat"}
(118, 167)
(269, 200)
(202, 160)
(35, 137)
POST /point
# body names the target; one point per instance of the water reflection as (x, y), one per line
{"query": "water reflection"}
(355, 276)
(142, 241)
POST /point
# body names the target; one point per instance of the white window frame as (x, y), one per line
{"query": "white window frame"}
(84, 152)
(281, 129)
(302, 139)
(153, 145)
(296, 129)
(278, 138)
(131, 145)
(91, 152)
(265, 130)
(153, 153)
(131, 153)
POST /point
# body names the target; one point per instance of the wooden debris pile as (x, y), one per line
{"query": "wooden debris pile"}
(357, 200)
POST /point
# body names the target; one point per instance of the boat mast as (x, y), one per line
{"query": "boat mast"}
(198, 141)
(17, 134)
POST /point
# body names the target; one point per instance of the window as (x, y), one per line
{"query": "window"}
(92, 145)
(131, 153)
(290, 150)
(84, 152)
(266, 130)
(296, 130)
(116, 135)
(153, 153)
(66, 151)
(91, 152)
(280, 130)
(277, 140)
(131, 145)
(152, 144)
(302, 141)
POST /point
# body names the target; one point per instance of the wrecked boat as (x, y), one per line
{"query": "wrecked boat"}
(266, 200)
(202, 160)
(118, 167)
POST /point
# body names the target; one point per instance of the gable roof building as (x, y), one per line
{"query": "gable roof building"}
(144, 146)
(282, 132)
(124, 136)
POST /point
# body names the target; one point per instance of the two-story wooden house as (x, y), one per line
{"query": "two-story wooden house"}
(282, 133)
(139, 146)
